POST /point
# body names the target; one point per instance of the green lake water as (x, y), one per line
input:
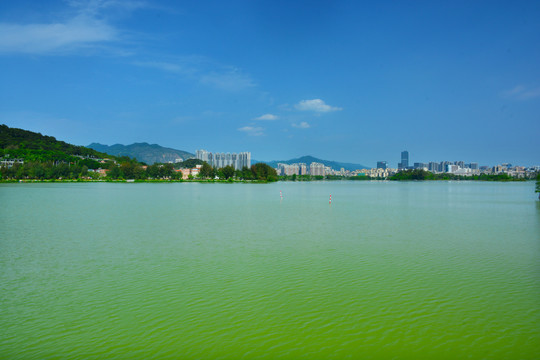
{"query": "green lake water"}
(389, 270)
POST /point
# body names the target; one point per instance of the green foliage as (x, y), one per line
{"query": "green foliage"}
(31, 146)
(333, 177)
(538, 183)
(44, 171)
(188, 164)
(246, 174)
(264, 172)
(419, 174)
(227, 171)
(207, 171)
(295, 177)
(90, 164)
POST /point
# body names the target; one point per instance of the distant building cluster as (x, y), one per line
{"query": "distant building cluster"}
(455, 167)
(186, 172)
(220, 160)
(378, 172)
(314, 168)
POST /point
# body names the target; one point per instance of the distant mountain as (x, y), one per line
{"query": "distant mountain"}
(309, 159)
(148, 153)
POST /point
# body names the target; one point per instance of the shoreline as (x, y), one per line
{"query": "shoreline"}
(229, 181)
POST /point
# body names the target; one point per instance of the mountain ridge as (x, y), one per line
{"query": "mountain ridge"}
(308, 159)
(143, 151)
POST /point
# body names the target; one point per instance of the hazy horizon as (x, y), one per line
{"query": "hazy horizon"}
(346, 81)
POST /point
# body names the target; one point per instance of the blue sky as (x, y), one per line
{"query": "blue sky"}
(354, 81)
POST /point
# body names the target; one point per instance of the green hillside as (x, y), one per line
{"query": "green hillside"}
(29, 155)
(31, 146)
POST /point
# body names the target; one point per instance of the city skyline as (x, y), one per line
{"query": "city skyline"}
(353, 81)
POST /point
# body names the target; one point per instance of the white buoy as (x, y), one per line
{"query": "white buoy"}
(330, 201)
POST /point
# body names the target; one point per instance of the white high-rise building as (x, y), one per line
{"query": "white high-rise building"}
(302, 169)
(220, 160)
(204, 156)
(316, 169)
(288, 169)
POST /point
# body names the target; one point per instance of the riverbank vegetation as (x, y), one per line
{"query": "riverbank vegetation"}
(406, 175)
(131, 170)
(427, 175)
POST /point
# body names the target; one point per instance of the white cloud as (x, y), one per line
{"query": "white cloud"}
(316, 105)
(302, 125)
(44, 38)
(267, 117)
(252, 130)
(85, 27)
(522, 92)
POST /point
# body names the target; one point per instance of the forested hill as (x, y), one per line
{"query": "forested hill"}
(148, 153)
(32, 146)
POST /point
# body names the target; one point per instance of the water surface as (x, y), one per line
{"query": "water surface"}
(389, 270)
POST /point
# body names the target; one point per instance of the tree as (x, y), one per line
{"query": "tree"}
(128, 169)
(153, 171)
(115, 173)
(247, 174)
(228, 171)
(84, 171)
(206, 171)
(189, 163)
(264, 172)
(167, 170)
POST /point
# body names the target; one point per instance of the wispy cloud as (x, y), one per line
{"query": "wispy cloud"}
(268, 117)
(46, 38)
(230, 80)
(252, 130)
(521, 92)
(205, 71)
(316, 105)
(301, 125)
(85, 27)
(176, 68)
(96, 7)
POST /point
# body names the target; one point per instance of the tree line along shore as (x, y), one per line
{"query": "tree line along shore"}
(91, 170)
(129, 169)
